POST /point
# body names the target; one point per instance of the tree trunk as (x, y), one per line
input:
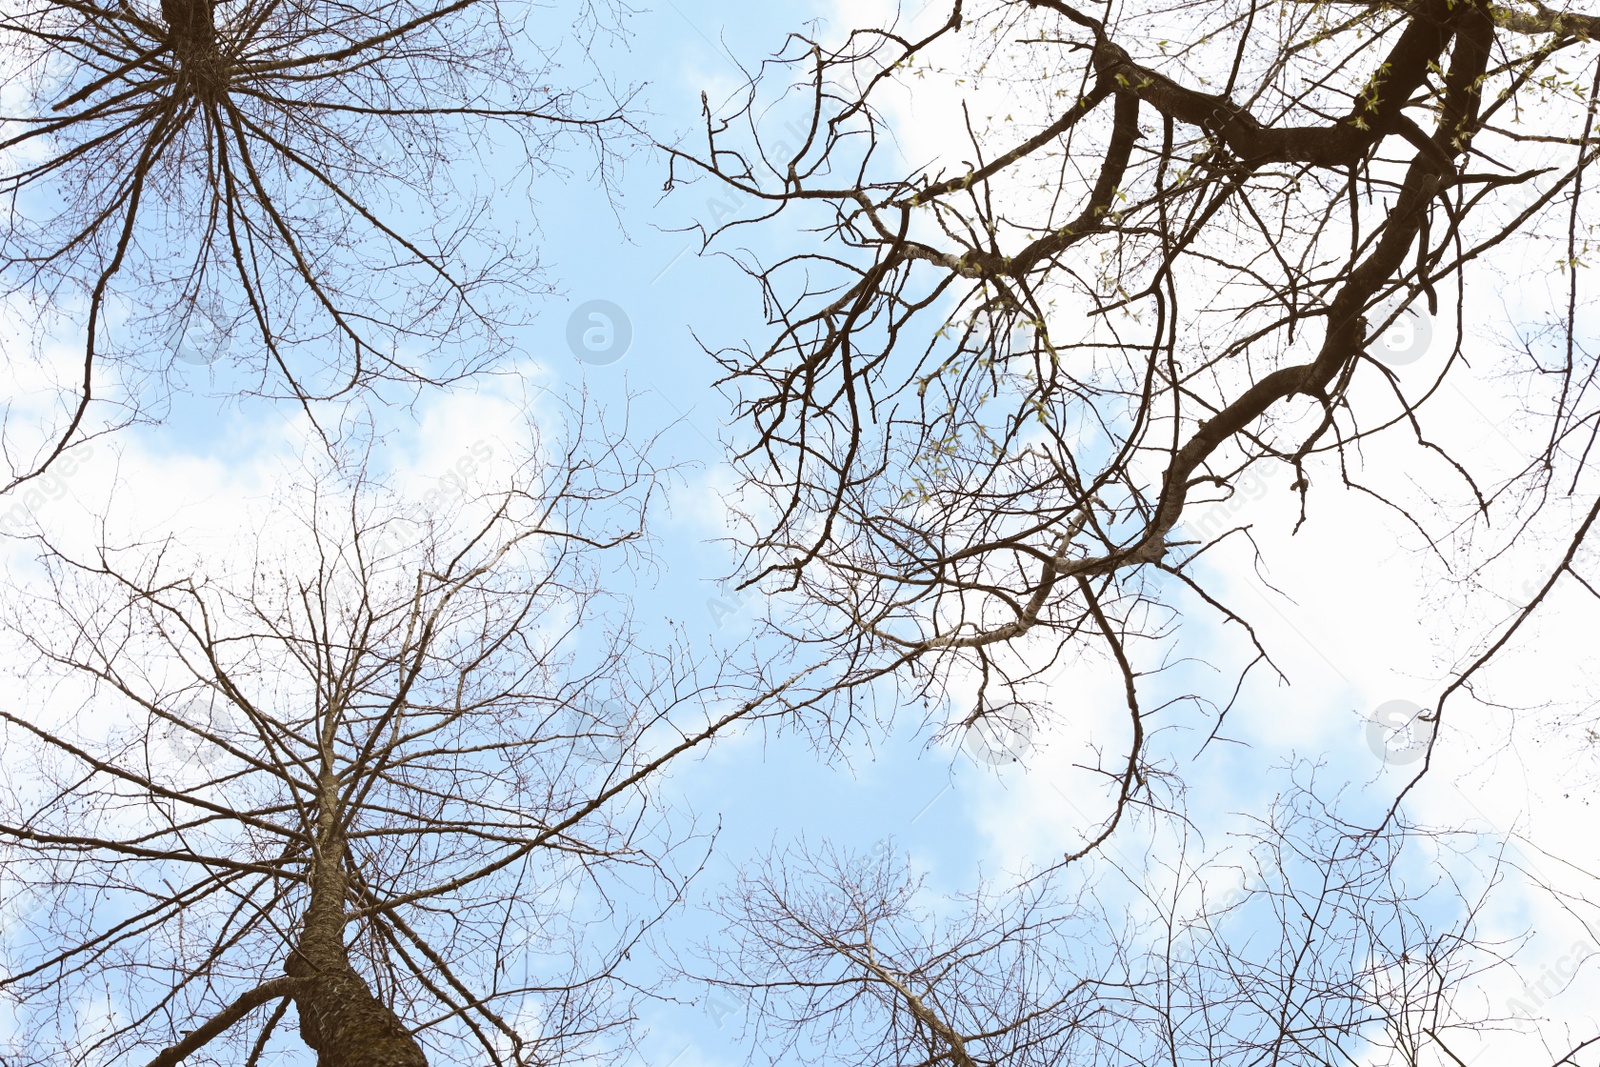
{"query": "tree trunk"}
(346, 1024)
(192, 23)
(192, 33)
(339, 1016)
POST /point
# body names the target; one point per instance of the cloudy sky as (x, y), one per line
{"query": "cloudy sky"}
(1354, 609)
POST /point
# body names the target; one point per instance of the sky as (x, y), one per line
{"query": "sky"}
(1349, 605)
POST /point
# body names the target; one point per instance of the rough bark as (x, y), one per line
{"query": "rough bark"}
(190, 21)
(339, 1016)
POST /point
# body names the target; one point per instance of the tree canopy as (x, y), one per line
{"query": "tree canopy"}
(1078, 279)
(302, 194)
(1055, 294)
(397, 770)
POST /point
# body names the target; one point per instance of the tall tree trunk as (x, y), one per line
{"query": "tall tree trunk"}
(192, 23)
(339, 1016)
(192, 33)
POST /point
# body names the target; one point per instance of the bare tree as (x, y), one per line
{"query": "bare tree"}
(1164, 260)
(1333, 948)
(393, 769)
(316, 181)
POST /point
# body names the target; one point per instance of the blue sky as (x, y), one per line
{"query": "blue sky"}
(1350, 643)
